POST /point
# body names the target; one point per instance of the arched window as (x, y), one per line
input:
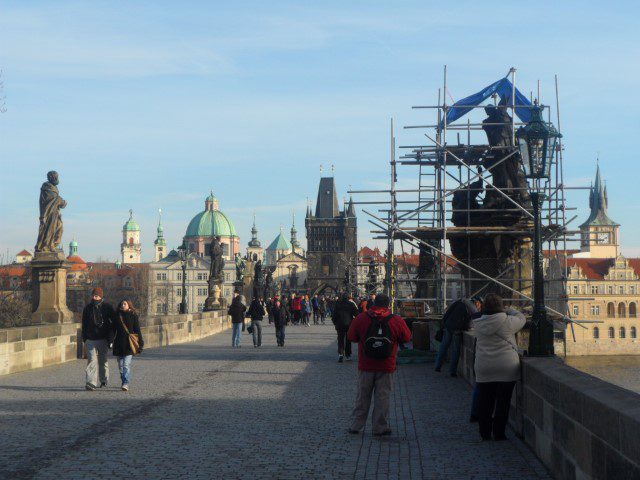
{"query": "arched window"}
(611, 310)
(130, 240)
(623, 332)
(634, 333)
(633, 310)
(622, 310)
(596, 332)
(612, 332)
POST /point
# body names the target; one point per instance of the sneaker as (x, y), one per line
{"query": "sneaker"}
(348, 358)
(90, 387)
(103, 384)
(340, 358)
(125, 387)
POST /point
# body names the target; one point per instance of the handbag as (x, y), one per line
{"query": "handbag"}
(250, 329)
(134, 340)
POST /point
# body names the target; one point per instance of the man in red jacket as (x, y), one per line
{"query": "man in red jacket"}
(375, 376)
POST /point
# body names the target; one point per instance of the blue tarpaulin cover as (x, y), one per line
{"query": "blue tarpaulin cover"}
(503, 88)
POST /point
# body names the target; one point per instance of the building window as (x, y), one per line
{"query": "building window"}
(576, 289)
(201, 276)
(633, 310)
(612, 332)
(179, 291)
(633, 332)
(161, 276)
(632, 290)
(180, 276)
(202, 291)
(596, 332)
(610, 289)
(623, 332)
(622, 310)
(595, 309)
(621, 289)
(227, 277)
(159, 308)
(200, 307)
(611, 310)
(594, 289)
(576, 310)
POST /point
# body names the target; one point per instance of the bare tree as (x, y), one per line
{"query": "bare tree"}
(15, 308)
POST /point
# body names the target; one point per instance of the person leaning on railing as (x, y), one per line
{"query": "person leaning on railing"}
(497, 364)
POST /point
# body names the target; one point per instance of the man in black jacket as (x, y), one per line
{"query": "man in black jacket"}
(97, 335)
(344, 312)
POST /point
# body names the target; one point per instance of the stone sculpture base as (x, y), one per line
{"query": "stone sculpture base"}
(49, 285)
(213, 300)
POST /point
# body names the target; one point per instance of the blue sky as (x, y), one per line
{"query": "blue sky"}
(153, 104)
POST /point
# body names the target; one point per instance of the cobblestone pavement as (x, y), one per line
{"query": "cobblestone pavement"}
(205, 410)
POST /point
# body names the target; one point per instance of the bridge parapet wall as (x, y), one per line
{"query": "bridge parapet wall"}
(580, 426)
(27, 348)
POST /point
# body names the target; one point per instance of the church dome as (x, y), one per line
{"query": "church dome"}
(131, 225)
(211, 222)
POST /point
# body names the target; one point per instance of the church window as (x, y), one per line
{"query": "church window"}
(576, 310)
(634, 333)
(596, 332)
(623, 333)
(611, 310)
(622, 310)
(612, 332)
(130, 240)
(633, 312)
(225, 249)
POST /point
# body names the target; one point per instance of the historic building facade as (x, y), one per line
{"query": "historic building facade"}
(332, 240)
(603, 287)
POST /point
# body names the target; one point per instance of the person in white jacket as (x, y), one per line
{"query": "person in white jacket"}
(497, 364)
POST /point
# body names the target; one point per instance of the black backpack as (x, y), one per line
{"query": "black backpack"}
(378, 343)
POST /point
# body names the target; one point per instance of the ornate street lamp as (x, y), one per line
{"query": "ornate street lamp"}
(537, 142)
(182, 250)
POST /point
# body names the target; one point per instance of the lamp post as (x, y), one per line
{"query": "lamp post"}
(537, 144)
(183, 256)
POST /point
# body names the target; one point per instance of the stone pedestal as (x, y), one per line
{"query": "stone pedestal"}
(49, 284)
(213, 300)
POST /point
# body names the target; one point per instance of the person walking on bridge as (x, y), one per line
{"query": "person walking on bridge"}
(236, 311)
(97, 335)
(126, 323)
(497, 364)
(378, 333)
(280, 319)
(345, 312)
(256, 312)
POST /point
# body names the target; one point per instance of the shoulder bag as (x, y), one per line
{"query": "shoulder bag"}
(134, 339)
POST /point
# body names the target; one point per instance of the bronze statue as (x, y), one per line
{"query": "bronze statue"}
(268, 283)
(240, 266)
(257, 279)
(50, 231)
(217, 260)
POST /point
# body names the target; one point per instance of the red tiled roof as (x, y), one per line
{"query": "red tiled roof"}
(25, 252)
(635, 264)
(13, 270)
(593, 268)
(76, 259)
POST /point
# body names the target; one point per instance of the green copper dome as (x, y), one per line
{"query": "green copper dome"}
(131, 225)
(211, 222)
(280, 243)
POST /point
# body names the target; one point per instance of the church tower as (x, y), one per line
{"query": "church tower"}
(599, 234)
(130, 247)
(295, 244)
(254, 248)
(73, 248)
(160, 245)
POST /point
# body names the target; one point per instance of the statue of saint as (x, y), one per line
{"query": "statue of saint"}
(217, 261)
(240, 265)
(268, 283)
(50, 231)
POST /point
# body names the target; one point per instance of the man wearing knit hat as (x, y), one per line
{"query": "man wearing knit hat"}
(97, 334)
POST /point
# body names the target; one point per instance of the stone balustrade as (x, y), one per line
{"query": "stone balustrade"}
(27, 348)
(580, 426)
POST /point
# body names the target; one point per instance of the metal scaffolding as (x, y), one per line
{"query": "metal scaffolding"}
(447, 159)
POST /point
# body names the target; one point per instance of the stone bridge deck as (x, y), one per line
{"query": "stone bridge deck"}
(205, 410)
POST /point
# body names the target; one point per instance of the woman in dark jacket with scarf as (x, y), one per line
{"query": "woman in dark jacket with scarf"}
(236, 310)
(126, 322)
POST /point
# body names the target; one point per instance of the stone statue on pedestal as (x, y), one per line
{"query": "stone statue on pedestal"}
(216, 276)
(49, 266)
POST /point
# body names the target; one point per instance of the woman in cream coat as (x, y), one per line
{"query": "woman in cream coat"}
(497, 364)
